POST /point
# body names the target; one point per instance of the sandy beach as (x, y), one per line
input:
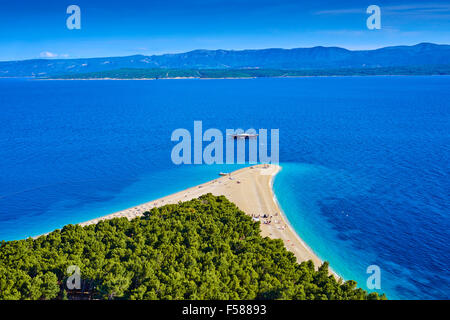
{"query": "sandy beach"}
(251, 190)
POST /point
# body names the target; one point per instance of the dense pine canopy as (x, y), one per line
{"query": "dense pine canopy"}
(205, 248)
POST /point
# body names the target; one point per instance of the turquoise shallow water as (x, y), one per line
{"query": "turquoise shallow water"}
(149, 187)
(365, 161)
(302, 188)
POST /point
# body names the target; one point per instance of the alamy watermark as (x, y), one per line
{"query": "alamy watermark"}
(374, 20)
(74, 20)
(374, 280)
(190, 150)
(74, 279)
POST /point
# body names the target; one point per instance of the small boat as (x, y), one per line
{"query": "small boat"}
(243, 135)
(223, 174)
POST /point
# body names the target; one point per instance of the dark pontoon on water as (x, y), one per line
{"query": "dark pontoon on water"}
(243, 135)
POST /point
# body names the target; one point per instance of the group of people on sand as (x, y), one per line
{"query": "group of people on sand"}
(266, 219)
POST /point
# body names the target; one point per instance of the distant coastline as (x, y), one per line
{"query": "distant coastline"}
(223, 78)
(241, 78)
(422, 58)
(157, 74)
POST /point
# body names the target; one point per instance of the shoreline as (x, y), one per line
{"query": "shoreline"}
(251, 190)
(283, 214)
(235, 78)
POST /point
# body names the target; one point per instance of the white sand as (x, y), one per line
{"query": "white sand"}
(251, 190)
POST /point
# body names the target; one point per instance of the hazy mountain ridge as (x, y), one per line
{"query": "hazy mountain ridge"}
(424, 54)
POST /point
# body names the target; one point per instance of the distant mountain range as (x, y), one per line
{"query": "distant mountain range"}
(316, 58)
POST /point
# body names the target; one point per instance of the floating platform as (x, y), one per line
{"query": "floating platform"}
(243, 135)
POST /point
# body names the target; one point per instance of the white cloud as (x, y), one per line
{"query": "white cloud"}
(48, 54)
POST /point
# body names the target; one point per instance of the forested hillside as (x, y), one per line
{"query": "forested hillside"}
(201, 249)
(253, 73)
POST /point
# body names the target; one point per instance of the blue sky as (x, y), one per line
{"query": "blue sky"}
(33, 29)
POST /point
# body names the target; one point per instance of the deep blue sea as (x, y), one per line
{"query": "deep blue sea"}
(366, 161)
